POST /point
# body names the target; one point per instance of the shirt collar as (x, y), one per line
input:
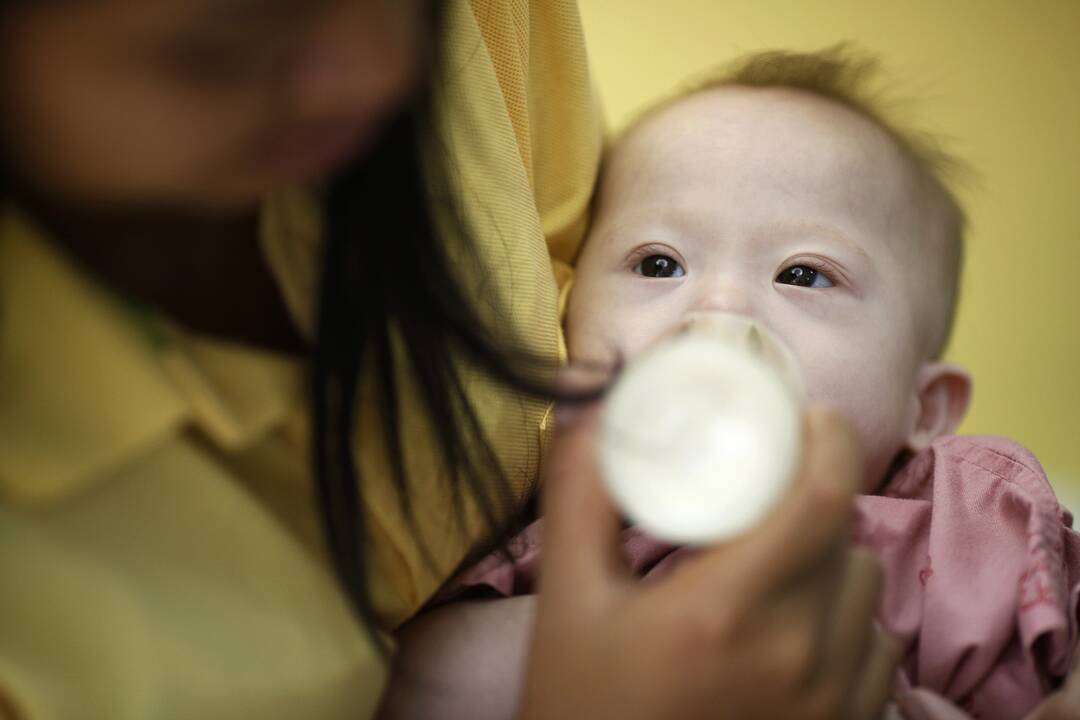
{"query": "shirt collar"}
(87, 381)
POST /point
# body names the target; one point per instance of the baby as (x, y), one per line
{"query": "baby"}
(778, 194)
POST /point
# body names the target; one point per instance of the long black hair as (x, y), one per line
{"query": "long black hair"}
(387, 282)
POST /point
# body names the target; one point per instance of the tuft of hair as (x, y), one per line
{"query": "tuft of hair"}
(852, 78)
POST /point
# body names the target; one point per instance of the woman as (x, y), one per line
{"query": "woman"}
(165, 548)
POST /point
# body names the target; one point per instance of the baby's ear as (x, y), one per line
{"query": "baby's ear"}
(944, 393)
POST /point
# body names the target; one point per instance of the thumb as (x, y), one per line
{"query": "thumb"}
(1065, 703)
(1069, 696)
(582, 556)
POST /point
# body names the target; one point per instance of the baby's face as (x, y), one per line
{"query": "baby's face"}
(780, 206)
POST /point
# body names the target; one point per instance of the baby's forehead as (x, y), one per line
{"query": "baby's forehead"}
(721, 145)
(761, 128)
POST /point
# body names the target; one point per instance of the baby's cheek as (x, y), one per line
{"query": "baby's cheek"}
(873, 406)
(612, 334)
(591, 340)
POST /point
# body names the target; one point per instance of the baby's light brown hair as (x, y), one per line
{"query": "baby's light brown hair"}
(852, 79)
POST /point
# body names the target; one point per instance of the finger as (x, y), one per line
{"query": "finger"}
(813, 521)
(581, 534)
(1073, 679)
(1068, 698)
(874, 685)
(847, 636)
(1063, 704)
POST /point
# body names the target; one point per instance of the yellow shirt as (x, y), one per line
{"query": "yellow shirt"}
(159, 550)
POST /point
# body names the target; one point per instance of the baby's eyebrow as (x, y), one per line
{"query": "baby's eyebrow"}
(633, 227)
(826, 231)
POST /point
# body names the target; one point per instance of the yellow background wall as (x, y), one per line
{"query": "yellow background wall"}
(1000, 80)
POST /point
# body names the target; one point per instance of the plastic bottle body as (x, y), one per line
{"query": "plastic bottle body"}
(702, 432)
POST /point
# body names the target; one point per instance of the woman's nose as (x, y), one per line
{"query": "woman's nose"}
(358, 61)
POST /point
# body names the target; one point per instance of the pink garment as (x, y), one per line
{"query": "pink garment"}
(981, 577)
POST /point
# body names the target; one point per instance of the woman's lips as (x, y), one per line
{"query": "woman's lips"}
(309, 153)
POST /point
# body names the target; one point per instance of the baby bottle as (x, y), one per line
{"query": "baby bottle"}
(701, 433)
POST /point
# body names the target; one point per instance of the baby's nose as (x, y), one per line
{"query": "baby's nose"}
(725, 293)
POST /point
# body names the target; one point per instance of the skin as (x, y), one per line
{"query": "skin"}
(734, 191)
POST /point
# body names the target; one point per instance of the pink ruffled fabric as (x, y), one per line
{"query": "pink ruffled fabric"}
(981, 577)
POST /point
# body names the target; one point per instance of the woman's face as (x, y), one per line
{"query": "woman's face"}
(197, 104)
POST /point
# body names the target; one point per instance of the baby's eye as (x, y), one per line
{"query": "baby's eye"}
(803, 276)
(659, 266)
